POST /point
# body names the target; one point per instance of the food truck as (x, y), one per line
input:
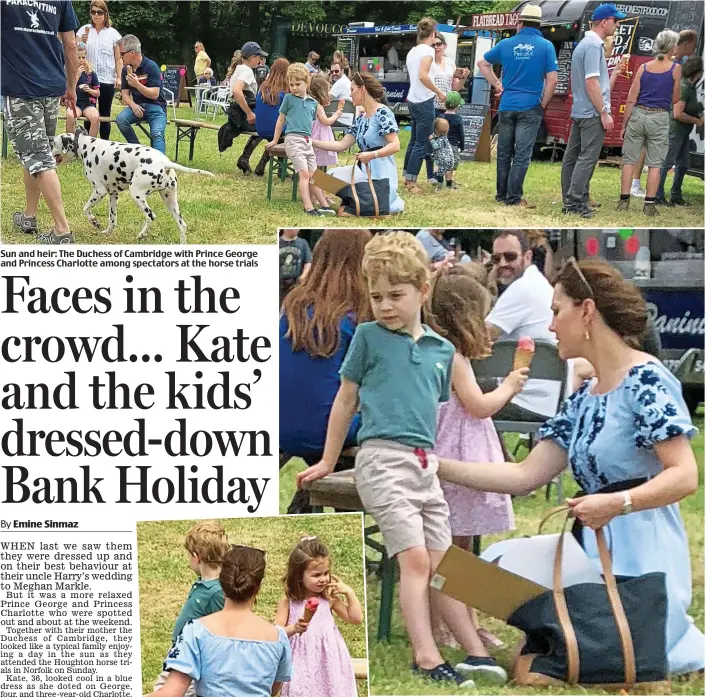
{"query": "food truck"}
(365, 46)
(668, 267)
(564, 24)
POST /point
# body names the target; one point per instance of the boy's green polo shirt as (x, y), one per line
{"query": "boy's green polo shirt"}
(400, 382)
(300, 113)
(205, 598)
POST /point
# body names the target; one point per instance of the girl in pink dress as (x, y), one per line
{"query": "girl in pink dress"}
(457, 309)
(322, 666)
(319, 89)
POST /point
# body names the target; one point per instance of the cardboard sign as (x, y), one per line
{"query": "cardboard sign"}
(482, 585)
(328, 183)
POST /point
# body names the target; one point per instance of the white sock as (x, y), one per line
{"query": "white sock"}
(635, 183)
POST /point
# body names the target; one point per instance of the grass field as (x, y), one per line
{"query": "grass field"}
(389, 662)
(232, 208)
(165, 577)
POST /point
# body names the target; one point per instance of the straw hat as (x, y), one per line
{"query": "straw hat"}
(531, 13)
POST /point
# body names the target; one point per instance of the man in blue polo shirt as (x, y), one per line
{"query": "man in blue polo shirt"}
(142, 94)
(38, 71)
(529, 78)
(590, 112)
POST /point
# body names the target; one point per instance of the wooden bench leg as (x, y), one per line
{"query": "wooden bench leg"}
(270, 172)
(386, 569)
(192, 141)
(4, 141)
(387, 594)
(295, 185)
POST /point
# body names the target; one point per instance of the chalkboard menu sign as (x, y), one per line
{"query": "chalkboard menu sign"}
(564, 60)
(473, 118)
(176, 82)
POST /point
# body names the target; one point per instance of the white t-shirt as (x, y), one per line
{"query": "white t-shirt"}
(393, 59)
(417, 91)
(341, 89)
(525, 309)
(100, 51)
(245, 74)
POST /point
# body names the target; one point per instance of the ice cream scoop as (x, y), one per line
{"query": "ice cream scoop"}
(310, 607)
(523, 353)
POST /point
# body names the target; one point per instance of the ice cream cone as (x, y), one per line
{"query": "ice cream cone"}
(310, 608)
(523, 358)
(523, 353)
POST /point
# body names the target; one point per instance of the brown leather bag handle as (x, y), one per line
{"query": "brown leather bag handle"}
(618, 610)
(356, 200)
(573, 663)
(573, 668)
(372, 189)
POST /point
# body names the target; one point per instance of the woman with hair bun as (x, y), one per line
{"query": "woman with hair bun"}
(420, 98)
(625, 434)
(375, 132)
(231, 653)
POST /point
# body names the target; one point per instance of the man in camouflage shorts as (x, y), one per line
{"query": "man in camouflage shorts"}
(37, 70)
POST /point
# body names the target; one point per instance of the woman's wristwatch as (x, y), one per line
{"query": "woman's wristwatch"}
(627, 503)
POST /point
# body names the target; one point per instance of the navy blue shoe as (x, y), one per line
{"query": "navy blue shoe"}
(443, 673)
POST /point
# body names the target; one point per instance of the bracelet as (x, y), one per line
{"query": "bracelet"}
(376, 154)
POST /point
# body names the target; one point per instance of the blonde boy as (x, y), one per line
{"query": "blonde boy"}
(399, 369)
(298, 112)
(206, 546)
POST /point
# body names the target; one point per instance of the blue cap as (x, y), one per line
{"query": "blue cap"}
(252, 48)
(606, 11)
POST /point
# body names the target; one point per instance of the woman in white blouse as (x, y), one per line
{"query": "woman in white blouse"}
(102, 41)
(446, 77)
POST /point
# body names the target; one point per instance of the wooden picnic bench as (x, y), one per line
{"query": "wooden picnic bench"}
(338, 490)
(187, 130)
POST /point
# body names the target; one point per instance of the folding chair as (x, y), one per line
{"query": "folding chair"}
(170, 99)
(546, 365)
(338, 127)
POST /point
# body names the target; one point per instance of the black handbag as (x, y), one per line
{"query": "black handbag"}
(612, 635)
(370, 198)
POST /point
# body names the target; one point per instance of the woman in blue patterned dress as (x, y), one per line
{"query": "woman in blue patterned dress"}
(626, 431)
(231, 653)
(375, 132)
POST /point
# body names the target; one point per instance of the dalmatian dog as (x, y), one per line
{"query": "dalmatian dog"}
(115, 167)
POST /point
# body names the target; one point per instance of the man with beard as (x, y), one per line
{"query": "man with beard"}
(523, 309)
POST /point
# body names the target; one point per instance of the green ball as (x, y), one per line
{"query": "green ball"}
(625, 234)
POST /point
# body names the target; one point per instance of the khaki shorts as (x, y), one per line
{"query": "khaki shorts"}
(404, 497)
(648, 130)
(31, 125)
(300, 150)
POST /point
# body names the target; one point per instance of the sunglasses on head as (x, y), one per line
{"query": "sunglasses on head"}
(573, 265)
(508, 256)
(97, 12)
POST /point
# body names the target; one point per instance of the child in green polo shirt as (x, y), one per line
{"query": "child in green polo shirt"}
(206, 546)
(298, 112)
(398, 369)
